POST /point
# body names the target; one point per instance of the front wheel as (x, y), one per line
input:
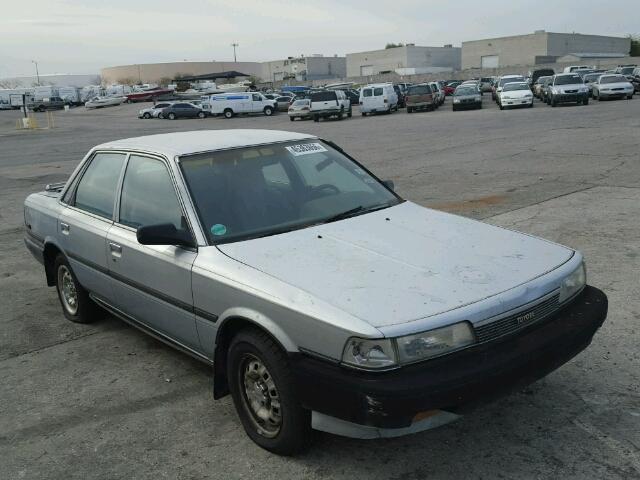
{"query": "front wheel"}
(146, 115)
(268, 111)
(263, 390)
(585, 101)
(172, 116)
(316, 118)
(76, 304)
(228, 113)
(292, 119)
(201, 115)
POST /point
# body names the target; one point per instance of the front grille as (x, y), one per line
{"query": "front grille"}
(512, 323)
(571, 91)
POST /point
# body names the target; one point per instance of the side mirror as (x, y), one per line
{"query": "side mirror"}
(389, 184)
(164, 234)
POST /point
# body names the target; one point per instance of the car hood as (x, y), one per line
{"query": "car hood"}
(467, 97)
(616, 85)
(402, 263)
(516, 93)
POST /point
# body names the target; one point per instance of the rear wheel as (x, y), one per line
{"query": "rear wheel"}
(316, 118)
(171, 116)
(585, 101)
(350, 113)
(75, 301)
(263, 390)
(409, 110)
(554, 103)
(201, 115)
(629, 97)
(292, 119)
(228, 113)
(146, 115)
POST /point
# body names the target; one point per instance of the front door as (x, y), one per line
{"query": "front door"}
(152, 283)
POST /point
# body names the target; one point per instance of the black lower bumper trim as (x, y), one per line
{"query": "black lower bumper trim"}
(456, 382)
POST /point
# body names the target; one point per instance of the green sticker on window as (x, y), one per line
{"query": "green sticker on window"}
(218, 229)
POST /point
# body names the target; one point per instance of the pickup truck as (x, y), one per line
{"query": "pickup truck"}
(320, 298)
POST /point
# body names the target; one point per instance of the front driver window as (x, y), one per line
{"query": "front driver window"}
(148, 196)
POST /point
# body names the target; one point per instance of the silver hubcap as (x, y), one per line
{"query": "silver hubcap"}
(261, 398)
(67, 289)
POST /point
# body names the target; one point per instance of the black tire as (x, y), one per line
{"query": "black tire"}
(171, 116)
(268, 111)
(585, 101)
(501, 107)
(160, 115)
(595, 97)
(228, 113)
(85, 310)
(201, 115)
(453, 108)
(364, 114)
(350, 113)
(553, 102)
(409, 110)
(292, 434)
(292, 119)
(146, 115)
(630, 97)
(316, 118)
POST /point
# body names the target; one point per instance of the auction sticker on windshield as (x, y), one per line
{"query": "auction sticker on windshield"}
(305, 149)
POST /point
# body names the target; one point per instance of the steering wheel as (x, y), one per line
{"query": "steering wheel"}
(327, 187)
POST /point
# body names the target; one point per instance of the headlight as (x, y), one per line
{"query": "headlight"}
(573, 283)
(456, 100)
(434, 343)
(369, 354)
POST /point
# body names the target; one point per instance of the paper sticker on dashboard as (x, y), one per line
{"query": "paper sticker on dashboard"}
(305, 149)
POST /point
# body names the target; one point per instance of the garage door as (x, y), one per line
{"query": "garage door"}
(490, 61)
(366, 70)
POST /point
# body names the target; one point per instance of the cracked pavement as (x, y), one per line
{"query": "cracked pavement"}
(105, 401)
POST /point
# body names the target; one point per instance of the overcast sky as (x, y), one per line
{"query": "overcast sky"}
(81, 36)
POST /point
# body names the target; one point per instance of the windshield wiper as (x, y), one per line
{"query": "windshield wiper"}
(359, 209)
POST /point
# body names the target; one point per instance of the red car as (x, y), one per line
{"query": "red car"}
(450, 87)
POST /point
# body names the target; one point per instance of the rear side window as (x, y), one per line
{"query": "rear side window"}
(377, 92)
(96, 191)
(323, 96)
(367, 92)
(148, 196)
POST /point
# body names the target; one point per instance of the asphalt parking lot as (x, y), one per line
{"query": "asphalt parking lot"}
(105, 401)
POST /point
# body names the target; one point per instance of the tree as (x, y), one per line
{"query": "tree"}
(393, 45)
(635, 45)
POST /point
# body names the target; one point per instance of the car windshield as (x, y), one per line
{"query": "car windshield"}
(627, 70)
(419, 90)
(465, 90)
(504, 81)
(259, 191)
(542, 79)
(613, 79)
(567, 80)
(509, 87)
(591, 77)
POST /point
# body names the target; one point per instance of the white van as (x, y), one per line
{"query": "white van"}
(572, 68)
(70, 95)
(230, 104)
(378, 97)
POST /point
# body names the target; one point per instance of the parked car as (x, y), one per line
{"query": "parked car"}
(534, 75)
(474, 83)
(589, 79)
(400, 93)
(420, 97)
(537, 86)
(567, 88)
(50, 103)
(153, 111)
(485, 84)
(439, 92)
(283, 102)
(378, 98)
(495, 94)
(182, 110)
(612, 86)
(329, 103)
(300, 108)
(316, 295)
(516, 94)
(626, 69)
(231, 104)
(545, 89)
(467, 96)
(450, 87)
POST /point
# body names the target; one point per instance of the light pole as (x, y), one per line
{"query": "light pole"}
(234, 45)
(37, 73)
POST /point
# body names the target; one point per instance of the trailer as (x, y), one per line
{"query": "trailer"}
(70, 95)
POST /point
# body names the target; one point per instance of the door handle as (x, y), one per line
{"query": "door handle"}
(64, 228)
(116, 250)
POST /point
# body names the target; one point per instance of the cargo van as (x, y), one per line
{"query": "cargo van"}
(378, 98)
(230, 104)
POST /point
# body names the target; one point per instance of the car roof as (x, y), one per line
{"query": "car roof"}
(184, 143)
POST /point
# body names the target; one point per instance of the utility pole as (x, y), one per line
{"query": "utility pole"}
(234, 45)
(37, 73)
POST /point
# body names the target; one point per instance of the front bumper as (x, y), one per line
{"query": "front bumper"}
(402, 400)
(514, 102)
(570, 97)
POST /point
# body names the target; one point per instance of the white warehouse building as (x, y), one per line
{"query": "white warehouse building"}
(406, 60)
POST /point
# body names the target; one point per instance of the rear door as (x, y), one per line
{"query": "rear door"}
(324, 101)
(152, 283)
(85, 222)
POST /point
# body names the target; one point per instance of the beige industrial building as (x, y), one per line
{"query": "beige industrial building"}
(314, 67)
(540, 47)
(157, 72)
(406, 60)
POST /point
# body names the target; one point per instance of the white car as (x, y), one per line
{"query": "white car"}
(610, 86)
(502, 81)
(438, 92)
(154, 111)
(515, 94)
